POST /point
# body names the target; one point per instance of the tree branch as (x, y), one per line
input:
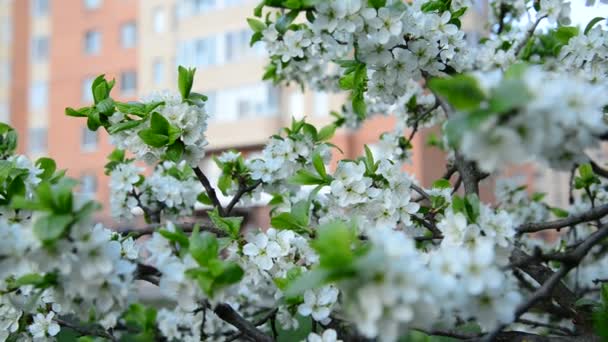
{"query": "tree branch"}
(243, 189)
(185, 227)
(209, 189)
(88, 330)
(229, 315)
(593, 214)
(529, 34)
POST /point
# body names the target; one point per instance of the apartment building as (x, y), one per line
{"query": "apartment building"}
(59, 46)
(6, 36)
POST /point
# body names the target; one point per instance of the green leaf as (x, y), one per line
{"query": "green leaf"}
(48, 166)
(38, 281)
(50, 228)
(359, 106)
(204, 198)
(461, 91)
(441, 184)
(101, 88)
(185, 80)
(231, 225)
(334, 244)
(317, 162)
(176, 237)
(256, 25)
(123, 126)
(175, 151)
(370, 164)
(326, 132)
(305, 177)
(377, 3)
(224, 183)
(231, 274)
(285, 20)
(79, 113)
(592, 23)
(203, 247)
(312, 279)
(159, 124)
(558, 212)
(105, 106)
(153, 139)
(287, 221)
(510, 94)
(347, 82)
(301, 212)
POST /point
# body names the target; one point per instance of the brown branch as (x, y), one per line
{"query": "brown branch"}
(257, 323)
(421, 191)
(185, 227)
(243, 189)
(209, 189)
(593, 214)
(88, 330)
(469, 174)
(570, 260)
(598, 169)
(248, 329)
(529, 34)
(545, 325)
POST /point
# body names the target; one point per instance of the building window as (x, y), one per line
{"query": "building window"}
(40, 7)
(92, 42)
(320, 104)
(40, 48)
(193, 7)
(37, 137)
(86, 93)
(237, 45)
(128, 35)
(296, 105)
(159, 19)
(128, 82)
(5, 71)
(158, 72)
(4, 112)
(257, 100)
(39, 95)
(92, 4)
(89, 139)
(88, 186)
(198, 52)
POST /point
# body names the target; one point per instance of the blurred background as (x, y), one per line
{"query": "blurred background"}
(51, 50)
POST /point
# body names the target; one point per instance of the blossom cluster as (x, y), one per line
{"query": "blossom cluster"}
(550, 126)
(186, 119)
(171, 187)
(92, 268)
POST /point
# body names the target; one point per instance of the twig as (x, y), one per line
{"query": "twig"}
(590, 215)
(421, 191)
(243, 189)
(91, 330)
(529, 34)
(185, 227)
(229, 315)
(598, 169)
(209, 189)
(545, 325)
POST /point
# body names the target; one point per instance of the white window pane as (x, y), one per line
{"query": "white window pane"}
(88, 139)
(92, 4)
(321, 104)
(40, 7)
(128, 82)
(296, 105)
(86, 93)
(92, 42)
(159, 19)
(40, 48)
(38, 95)
(4, 112)
(128, 35)
(88, 186)
(158, 72)
(37, 140)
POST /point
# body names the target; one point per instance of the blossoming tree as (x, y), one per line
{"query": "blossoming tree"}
(358, 253)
